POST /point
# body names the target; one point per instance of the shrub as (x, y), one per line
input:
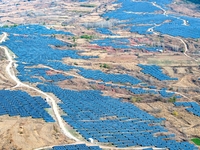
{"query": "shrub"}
(135, 99)
(175, 113)
(105, 66)
(172, 99)
(88, 37)
(196, 141)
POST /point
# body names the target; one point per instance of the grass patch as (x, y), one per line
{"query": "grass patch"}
(87, 5)
(196, 141)
(88, 37)
(105, 66)
(11, 26)
(161, 62)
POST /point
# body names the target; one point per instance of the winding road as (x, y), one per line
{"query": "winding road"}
(184, 23)
(186, 49)
(10, 72)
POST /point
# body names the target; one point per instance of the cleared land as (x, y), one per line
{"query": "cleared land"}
(26, 133)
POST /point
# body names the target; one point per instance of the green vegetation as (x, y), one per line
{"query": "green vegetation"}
(135, 99)
(74, 39)
(182, 51)
(105, 66)
(53, 35)
(87, 5)
(15, 25)
(73, 45)
(88, 37)
(7, 26)
(196, 141)
(175, 113)
(172, 99)
(75, 63)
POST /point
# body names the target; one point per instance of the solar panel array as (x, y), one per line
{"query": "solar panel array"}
(176, 28)
(133, 14)
(142, 91)
(117, 43)
(141, 29)
(19, 103)
(33, 30)
(109, 120)
(104, 31)
(155, 71)
(123, 43)
(76, 147)
(32, 50)
(34, 75)
(39, 49)
(163, 92)
(102, 118)
(192, 107)
(134, 6)
(115, 78)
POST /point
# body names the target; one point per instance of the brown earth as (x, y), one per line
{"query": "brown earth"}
(186, 81)
(48, 12)
(5, 81)
(181, 7)
(185, 125)
(27, 134)
(36, 133)
(74, 84)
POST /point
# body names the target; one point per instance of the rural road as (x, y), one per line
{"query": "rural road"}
(186, 49)
(10, 72)
(184, 23)
(113, 84)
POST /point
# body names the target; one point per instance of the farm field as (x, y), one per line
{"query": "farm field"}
(109, 74)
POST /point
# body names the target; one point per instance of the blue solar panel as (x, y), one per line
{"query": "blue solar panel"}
(155, 71)
(76, 147)
(21, 103)
(112, 121)
(193, 107)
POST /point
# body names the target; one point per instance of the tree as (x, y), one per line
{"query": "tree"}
(105, 66)
(172, 99)
(74, 39)
(182, 50)
(53, 35)
(135, 99)
(88, 37)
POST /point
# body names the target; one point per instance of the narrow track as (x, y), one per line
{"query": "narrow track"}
(10, 72)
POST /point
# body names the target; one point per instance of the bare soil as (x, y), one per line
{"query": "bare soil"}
(5, 81)
(181, 7)
(27, 134)
(184, 124)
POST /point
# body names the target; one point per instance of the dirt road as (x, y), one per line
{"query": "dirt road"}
(10, 72)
